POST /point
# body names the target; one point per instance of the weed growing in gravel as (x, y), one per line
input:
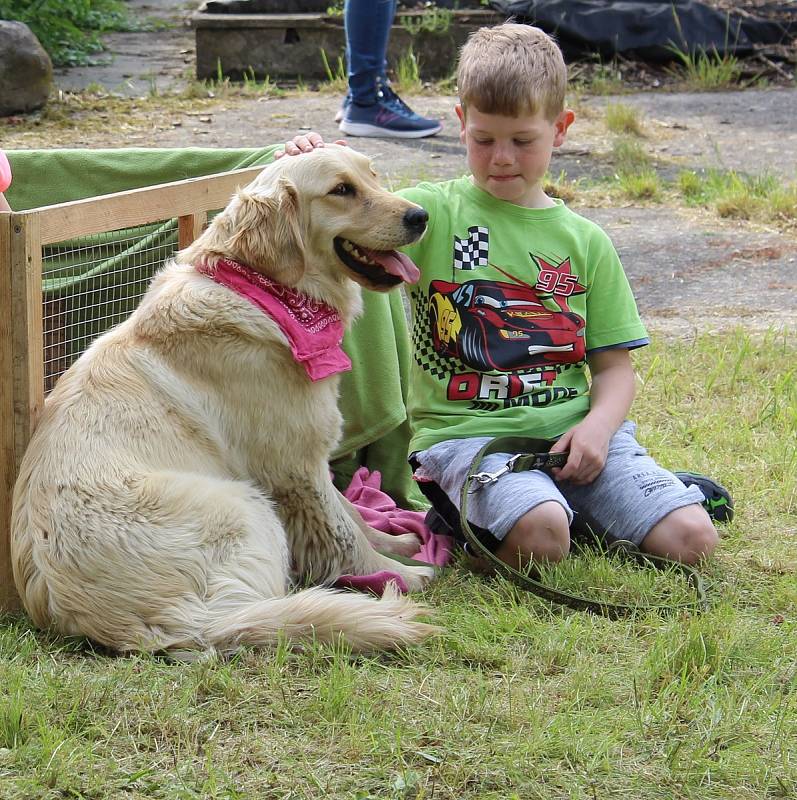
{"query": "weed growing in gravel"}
(560, 187)
(783, 203)
(623, 119)
(642, 185)
(706, 71)
(251, 84)
(408, 72)
(629, 156)
(690, 185)
(730, 194)
(337, 79)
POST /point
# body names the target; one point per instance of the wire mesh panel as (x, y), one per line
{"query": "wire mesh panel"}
(93, 283)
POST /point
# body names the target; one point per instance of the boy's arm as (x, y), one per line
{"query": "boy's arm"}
(611, 394)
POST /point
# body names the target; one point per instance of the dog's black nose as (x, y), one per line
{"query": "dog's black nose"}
(416, 218)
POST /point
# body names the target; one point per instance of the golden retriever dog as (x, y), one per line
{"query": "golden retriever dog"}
(177, 488)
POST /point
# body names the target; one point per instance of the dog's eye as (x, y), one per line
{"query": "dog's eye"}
(343, 190)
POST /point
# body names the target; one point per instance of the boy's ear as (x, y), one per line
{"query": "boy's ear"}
(461, 114)
(561, 124)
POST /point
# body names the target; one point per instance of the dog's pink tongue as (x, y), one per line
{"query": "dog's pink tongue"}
(395, 263)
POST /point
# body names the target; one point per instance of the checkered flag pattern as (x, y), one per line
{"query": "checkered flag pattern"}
(426, 356)
(471, 253)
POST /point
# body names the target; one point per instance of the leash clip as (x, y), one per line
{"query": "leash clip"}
(485, 478)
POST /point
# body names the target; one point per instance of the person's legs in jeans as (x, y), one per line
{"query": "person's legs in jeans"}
(367, 25)
(371, 107)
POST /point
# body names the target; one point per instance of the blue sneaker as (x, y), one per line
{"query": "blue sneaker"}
(388, 116)
(717, 499)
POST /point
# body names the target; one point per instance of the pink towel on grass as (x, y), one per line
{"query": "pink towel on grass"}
(5, 172)
(380, 511)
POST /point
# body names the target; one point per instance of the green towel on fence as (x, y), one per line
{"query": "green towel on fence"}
(372, 395)
(46, 177)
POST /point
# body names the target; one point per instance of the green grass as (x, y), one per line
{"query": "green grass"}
(730, 194)
(629, 155)
(706, 70)
(516, 698)
(761, 198)
(635, 178)
(560, 186)
(336, 78)
(70, 30)
(623, 119)
(408, 72)
(644, 185)
(224, 87)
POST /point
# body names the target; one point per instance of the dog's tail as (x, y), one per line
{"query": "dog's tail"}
(365, 622)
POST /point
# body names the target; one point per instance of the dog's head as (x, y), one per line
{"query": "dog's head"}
(319, 218)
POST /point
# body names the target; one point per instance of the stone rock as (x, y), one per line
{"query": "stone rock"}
(26, 72)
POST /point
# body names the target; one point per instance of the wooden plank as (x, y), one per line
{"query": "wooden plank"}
(27, 339)
(21, 367)
(190, 227)
(112, 212)
(9, 601)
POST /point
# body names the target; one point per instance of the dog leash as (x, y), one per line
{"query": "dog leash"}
(532, 454)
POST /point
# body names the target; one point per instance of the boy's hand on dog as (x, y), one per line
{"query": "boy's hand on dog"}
(304, 143)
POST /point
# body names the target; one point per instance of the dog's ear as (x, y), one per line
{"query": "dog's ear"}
(266, 233)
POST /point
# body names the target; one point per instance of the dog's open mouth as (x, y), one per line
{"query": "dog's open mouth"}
(379, 267)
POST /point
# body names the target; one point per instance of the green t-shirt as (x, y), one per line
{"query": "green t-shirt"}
(510, 301)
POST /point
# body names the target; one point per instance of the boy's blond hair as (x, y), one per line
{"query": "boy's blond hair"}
(510, 70)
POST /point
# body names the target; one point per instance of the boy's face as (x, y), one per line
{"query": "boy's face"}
(509, 156)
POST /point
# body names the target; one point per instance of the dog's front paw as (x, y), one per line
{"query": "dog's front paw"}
(418, 577)
(403, 544)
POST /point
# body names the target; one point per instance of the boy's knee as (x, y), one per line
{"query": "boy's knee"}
(700, 538)
(542, 534)
(686, 535)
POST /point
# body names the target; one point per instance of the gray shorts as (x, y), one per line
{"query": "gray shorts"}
(630, 496)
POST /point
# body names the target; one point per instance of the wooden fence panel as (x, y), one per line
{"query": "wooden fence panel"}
(22, 237)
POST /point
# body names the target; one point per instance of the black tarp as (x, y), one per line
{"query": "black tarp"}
(648, 29)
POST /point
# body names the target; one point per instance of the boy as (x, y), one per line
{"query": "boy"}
(518, 296)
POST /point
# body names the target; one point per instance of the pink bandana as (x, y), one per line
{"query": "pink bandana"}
(313, 329)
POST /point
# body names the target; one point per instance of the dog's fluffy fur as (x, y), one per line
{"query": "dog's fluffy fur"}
(177, 485)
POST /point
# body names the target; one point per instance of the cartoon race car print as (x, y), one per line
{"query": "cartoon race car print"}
(494, 325)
